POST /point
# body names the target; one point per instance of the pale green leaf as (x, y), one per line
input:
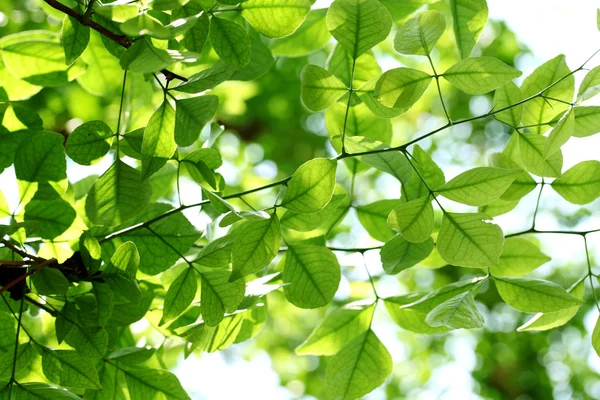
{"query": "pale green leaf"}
(307, 222)
(561, 133)
(519, 257)
(74, 38)
(146, 58)
(534, 295)
(156, 384)
(89, 142)
(341, 65)
(459, 312)
(311, 186)
(413, 219)
(4, 208)
(180, 295)
(392, 162)
(50, 281)
(275, 18)
(523, 183)
(310, 36)
(206, 79)
(587, 121)
(580, 184)
(104, 75)
(217, 253)
(467, 240)
(399, 254)
(67, 368)
(419, 35)
(367, 94)
(88, 342)
(469, 18)
(144, 24)
(261, 61)
(312, 275)
(596, 332)
(407, 318)
(590, 86)
(361, 366)
(414, 187)
(25, 355)
(358, 25)
(498, 207)
(219, 296)
(126, 260)
(479, 186)
(191, 116)
(230, 41)
(159, 144)
(320, 88)
(40, 391)
(373, 217)
(505, 96)
(401, 87)
(480, 75)
(338, 328)
(54, 216)
(196, 36)
(132, 355)
(532, 148)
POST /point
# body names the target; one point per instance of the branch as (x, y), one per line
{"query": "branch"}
(122, 40)
(25, 275)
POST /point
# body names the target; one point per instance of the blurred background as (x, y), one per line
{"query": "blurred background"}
(269, 134)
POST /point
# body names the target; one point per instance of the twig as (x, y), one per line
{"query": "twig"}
(26, 274)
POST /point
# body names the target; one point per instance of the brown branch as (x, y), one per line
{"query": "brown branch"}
(122, 40)
(19, 251)
(25, 275)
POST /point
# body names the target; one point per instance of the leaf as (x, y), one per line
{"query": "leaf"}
(146, 58)
(539, 110)
(414, 188)
(159, 144)
(230, 41)
(467, 240)
(550, 320)
(105, 299)
(319, 88)
(373, 217)
(54, 216)
(145, 25)
(534, 295)
(24, 356)
(89, 142)
(196, 36)
(144, 383)
(367, 94)
(341, 64)
(217, 253)
(125, 260)
(311, 186)
(219, 296)
(117, 195)
(523, 183)
(275, 18)
(587, 121)
(407, 318)
(459, 312)
(479, 186)
(310, 36)
(308, 222)
(180, 295)
(532, 148)
(206, 79)
(519, 257)
(261, 61)
(596, 332)
(361, 366)
(561, 133)
(413, 219)
(131, 355)
(419, 35)
(74, 38)
(89, 342)
(401, 87)
(579, 184)
(392, 162)
(469, 18)
(313, 275)
(50, 281)
(479, 75)
(41, 391)
(358, 25)
(590, 86)
(339, 327)
(399, 254)
(191, 116)
(505, 96)
(255, 247)
(67, 368)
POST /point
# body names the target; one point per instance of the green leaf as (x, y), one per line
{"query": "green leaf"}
(373, 217)
(131, 355)
(587, 121)
(367, 94)
(339, 328)
(307, 222)
(275, 18)
(534, 295)
(230, 41)
(125, 260)
(539, 110)
(196, 36)
(40, 391)
(104, 75)
(560, 134)
(459, 312)
(358, 25)
(341, 64)
(67, 368)
(469, 18)
(590, 86)
(413, 219)
(146, 58)
(550, 320)
(310, 36)
(219, 296)
(255, 247)
(596, 332)
(105, 299)
(191, 116)
(419, 35)
(519, 257)
(206, 79)
(180, 295)
(479, 186)
(144, 24)
(217, 253)
(89, 142)
(480, 75)
(144, 383)
(4, 208)
(320, 88)
(580, 184)
(54, 216)
(159, 142)
(467, 240)
(392, 162)
(399, 254)
(361, 366)
(532, 148)
(414, 188)
(50, 281)
(261, 61)
(311, 186)
(523, 183)
(88, 342)
(25, 355)
(210, 339)
(74, 38)
(117, 195)
(401, 87)
(313, 275)
(505, 96)
(410, 319)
